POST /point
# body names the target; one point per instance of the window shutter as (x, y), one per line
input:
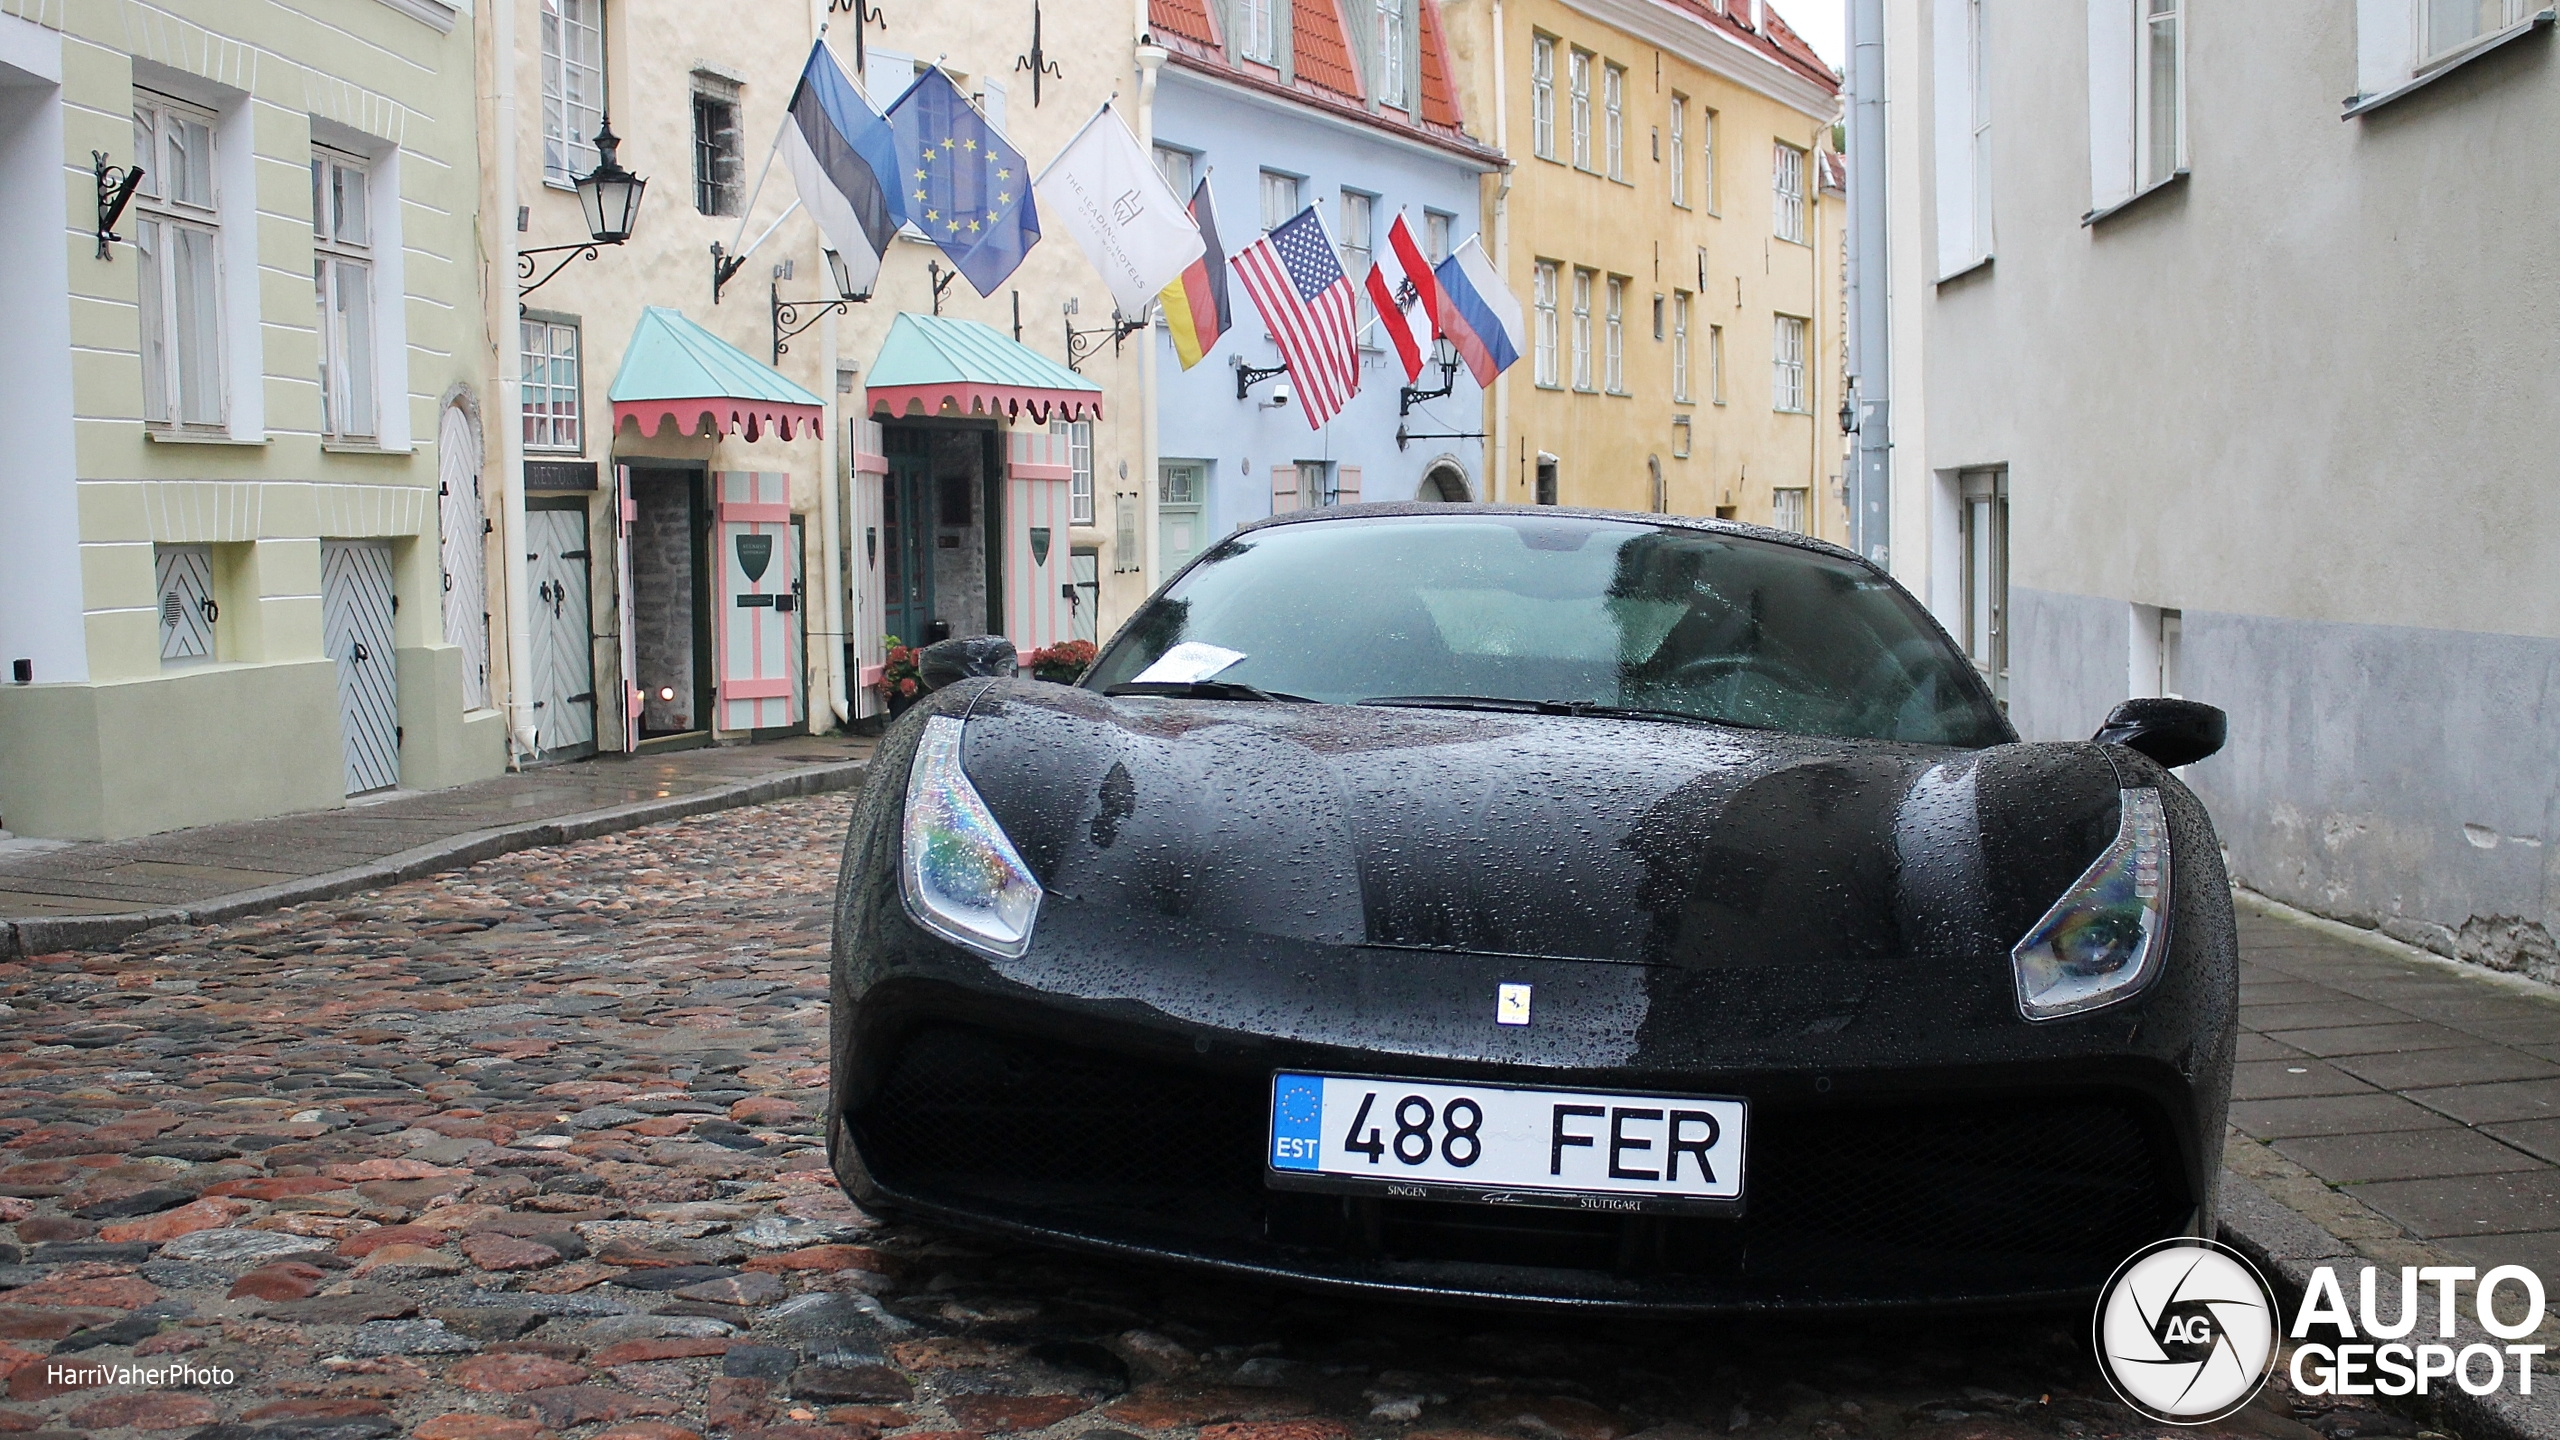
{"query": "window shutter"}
(1952, 72)
(1346, 489)
(1284, 488)
(886, 74)
(2111, 34)
(2386, 45)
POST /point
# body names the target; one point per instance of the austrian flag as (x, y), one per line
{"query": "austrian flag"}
(1406, 296)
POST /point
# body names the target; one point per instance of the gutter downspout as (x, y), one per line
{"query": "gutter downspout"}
(1151, 58)
(1870, 314)
(831, 469)
(521, 733)
(1501, 426)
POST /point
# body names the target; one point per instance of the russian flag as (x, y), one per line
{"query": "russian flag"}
(844, 159)
(1478, 313)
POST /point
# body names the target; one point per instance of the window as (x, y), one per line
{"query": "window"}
(717, 159)
(1680, 346)
(1707, 161)
(187, 611)
(1788, 508)
(1542, 97)
(1657, 317)
(1679, 149)
(1315, 484)
(342, 274)
(1437, 228)
(177, 242)
(1546, 302)
(1788, 186)
(1963, 120)
(1715, 364)
(1182, 488)
(1079, 435)
(1787, 385)
(1582, 329)
(1547, 480)
(2160, 94)
(2452, 24)
(1175, 166)
(1125, 556)
(1279, 198)
(1983, 532)
(1579, 78)
(1391, 48)
(1613, 98)
(1358, 231)
(2137, 97)
(1616, 373)
(1260, 40)
(1679, 437)
(2399, 44)
(551, 403)
(572, 87)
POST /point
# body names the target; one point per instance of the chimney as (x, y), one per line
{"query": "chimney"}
(1759, 26)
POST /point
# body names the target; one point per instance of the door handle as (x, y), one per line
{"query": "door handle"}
(359, 653)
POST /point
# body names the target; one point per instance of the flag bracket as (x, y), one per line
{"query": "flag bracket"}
(1038, 61)
(941, 279)
(1403, 435)
(1081, 344)
(1407, 397)
(724, 268)
(1248, 376)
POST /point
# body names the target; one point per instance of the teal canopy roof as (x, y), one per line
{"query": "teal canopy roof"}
(674, 370)
(929, 362)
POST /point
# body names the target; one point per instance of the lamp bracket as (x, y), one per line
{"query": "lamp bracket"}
(1409, 395)
(1248, 376)
(115, 190)
(1081, 344)
(525, 265)
(1403, 435)
(787, 321)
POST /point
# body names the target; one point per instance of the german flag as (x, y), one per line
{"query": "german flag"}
(1195, 304)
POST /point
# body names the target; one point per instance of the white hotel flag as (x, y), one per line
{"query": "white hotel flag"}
(1107, 194)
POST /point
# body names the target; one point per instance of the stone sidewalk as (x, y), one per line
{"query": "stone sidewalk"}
(55, 897)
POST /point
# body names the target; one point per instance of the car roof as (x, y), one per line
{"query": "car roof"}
(1340, 514)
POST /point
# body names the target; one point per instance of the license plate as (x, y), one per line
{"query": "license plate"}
(1505, 1144)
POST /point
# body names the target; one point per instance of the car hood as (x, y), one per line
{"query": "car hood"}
(1556, 836)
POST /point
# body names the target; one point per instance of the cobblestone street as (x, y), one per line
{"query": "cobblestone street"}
(532, 1148)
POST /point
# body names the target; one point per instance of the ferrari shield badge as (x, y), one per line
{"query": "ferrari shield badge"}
(1511, 1004)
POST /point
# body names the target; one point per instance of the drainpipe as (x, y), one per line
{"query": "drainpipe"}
(1151, 58)
(831, 466)
(1499, 441)
(511, 523)
(1870, 298)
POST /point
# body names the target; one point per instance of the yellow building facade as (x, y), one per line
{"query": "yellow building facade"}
(1672, 226)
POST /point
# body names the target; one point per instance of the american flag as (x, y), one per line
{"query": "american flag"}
(1307, 301)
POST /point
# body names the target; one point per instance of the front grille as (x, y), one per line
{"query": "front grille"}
(1844, 1203)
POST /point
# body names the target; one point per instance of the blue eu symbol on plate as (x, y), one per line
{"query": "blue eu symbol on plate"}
(1297, 1118)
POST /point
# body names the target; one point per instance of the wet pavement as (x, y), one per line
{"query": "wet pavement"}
(532, 1148)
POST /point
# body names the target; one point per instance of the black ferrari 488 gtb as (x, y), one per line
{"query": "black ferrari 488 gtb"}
(1491, 903)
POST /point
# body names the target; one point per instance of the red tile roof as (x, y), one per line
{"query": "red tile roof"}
(1439, 97)
(1186, 18)
(1319, 49)
(1780, 42)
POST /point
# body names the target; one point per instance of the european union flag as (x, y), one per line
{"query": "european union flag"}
(963, 185)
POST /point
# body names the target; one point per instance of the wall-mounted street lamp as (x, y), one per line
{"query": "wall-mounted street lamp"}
(1444, 355)
(610, 197)
(786, 313)
(1848, 414)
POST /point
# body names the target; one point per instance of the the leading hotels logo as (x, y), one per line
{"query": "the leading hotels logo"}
(2186, 1331)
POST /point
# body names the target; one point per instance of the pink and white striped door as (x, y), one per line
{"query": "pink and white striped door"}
(757, 604)
(1038, 576)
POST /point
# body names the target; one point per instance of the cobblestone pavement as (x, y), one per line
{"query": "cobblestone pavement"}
(530, 1148)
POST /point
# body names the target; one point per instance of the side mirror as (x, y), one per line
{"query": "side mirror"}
(947, 662)
(2173, 732)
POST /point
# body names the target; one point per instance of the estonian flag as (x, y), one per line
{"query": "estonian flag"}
(844, 158)
(1195, 304)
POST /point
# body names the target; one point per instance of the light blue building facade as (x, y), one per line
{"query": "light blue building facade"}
(1271, 140)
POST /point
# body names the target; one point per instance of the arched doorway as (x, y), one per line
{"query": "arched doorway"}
(1444, 482)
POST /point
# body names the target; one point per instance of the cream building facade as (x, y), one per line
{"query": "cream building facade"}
(1671, 226)
(222, 556)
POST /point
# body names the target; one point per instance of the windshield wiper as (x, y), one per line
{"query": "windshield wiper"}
(1508, 705)
(1205, 690)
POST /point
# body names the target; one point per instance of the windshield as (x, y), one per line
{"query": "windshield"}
(1560, 610)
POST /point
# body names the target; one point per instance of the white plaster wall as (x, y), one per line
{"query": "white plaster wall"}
(39, 498)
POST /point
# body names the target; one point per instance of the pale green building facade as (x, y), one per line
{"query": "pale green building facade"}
(241, 545)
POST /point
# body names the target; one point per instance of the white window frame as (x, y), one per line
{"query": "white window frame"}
(1258, 31)
(1786, 185)
(2396, 49)
(1358, 236)
(1394, 30)
(1680, 300)
(1542, 96)
(572, 51)
(1614, 368)
(1715, 364)
(1578, 87)
(2126, 160)
(2158, 158)
(1613, 101)
(1709, 197)
(1787, 357)
(1079, 435)
(1962, 115)
(1582, 284)
(161, 209)
(1679, 149)
(1549, 278)
(1289, 193)
(1439, 235)
(1791, 508)
(549, 441)
(1179, 167)
(1681, 437)
(351, 398)
(1982, 538)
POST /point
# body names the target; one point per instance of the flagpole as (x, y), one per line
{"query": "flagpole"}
(767, 168)
(1151, 58)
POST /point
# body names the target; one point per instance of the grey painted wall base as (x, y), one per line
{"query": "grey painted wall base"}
(2397, 778)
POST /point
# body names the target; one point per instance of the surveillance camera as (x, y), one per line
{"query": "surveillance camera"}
(1280, 394)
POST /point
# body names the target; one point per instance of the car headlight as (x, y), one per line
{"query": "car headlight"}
(961, 876)
(2097, 942)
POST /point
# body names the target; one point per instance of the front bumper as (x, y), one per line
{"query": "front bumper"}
(1101, 1107)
